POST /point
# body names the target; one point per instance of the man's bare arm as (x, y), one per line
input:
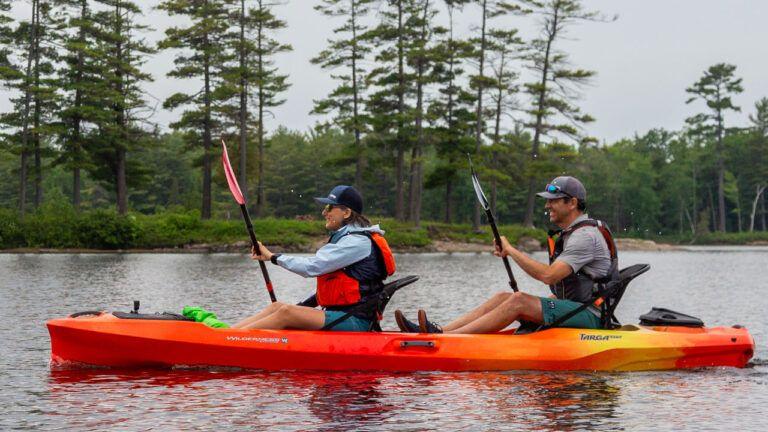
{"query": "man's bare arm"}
(548, 274)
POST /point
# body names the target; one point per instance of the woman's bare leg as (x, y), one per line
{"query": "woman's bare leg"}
(269, 310)
(477, 312)
(516, 306)
(291, 316)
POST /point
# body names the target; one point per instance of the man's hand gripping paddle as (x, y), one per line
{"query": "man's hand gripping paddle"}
(238, 195)
(491, 221)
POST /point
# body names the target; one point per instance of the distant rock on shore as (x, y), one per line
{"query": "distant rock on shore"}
(630, 244)
(526, 244)
(453, 246)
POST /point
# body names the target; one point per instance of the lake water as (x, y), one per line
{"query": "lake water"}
(723, 286)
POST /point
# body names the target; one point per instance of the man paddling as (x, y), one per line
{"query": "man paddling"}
(582, 254)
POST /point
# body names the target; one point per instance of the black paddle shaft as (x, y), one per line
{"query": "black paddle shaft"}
(492, 223)
(256, 247)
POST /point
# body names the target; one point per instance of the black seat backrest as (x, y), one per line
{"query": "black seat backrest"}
(615, 291)
(391, 288)
(633, 271)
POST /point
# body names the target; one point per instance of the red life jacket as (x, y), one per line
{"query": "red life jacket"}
(339, 288)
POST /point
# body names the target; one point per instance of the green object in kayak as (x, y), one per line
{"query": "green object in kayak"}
(203, 316)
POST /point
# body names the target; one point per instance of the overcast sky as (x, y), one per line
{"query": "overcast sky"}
(644, 60)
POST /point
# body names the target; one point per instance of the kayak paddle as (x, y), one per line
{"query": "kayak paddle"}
(491, 221)
(238, 195)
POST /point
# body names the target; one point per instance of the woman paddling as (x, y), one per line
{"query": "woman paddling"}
(349, 269)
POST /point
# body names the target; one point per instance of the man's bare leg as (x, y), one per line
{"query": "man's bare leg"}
(291, 316)
(517, 306)
(477, 312)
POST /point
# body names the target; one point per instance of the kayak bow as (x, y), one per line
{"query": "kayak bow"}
(106, 340)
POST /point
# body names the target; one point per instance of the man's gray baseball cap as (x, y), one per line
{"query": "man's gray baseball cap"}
(564, 186)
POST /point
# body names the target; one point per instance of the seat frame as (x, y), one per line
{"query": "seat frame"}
(611, 293)
(375, 304)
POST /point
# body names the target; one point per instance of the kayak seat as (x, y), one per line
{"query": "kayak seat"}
(373, 306)
(610, 293)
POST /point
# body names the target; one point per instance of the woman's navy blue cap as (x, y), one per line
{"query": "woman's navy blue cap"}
(344, 195)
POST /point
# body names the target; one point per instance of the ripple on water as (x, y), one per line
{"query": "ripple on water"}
(34, 288)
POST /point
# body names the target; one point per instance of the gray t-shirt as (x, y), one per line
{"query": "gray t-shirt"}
(586, 249)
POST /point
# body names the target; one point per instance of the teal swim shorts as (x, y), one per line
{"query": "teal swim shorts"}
(352, 323)
(552, 309)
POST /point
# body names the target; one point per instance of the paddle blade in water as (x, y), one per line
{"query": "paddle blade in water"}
(231, 179)
(478, 189)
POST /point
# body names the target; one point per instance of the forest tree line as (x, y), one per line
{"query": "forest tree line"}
(412, 100)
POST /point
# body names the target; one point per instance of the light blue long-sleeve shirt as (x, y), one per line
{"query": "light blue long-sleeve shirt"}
(342, 251)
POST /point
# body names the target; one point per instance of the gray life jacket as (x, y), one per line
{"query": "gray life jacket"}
(579, 286)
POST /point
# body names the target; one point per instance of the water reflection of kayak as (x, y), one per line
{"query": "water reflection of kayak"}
(104, 339)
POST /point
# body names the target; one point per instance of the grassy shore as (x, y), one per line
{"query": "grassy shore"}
(104, 230)
(718, 238)
(64, 229)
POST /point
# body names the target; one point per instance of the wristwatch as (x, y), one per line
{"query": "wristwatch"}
(274, 257)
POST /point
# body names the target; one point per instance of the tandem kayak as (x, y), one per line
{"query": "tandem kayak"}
(105, 339)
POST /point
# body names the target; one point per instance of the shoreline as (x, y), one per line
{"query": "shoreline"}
(436, 246)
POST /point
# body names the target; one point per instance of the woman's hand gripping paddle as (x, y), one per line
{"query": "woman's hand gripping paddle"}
(491, 221)
(238, 195)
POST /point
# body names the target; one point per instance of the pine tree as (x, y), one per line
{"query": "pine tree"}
(488, 9)
(244, 46)
(503, 50)
(451, 112)
(267, 82)
(45, 99)
(9, 72)
(759, 120)
(7, 69)
(121, 54)
(202, 54)
(80, 79)
(31, 121)
(25, 35)
(389, 104)
(348, 53)
(553, 95)
(758, 154)
(422, 56)
(716, 88)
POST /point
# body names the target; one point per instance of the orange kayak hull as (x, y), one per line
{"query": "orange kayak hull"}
(108, 341)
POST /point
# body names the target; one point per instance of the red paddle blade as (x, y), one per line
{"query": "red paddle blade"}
(231, 179)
